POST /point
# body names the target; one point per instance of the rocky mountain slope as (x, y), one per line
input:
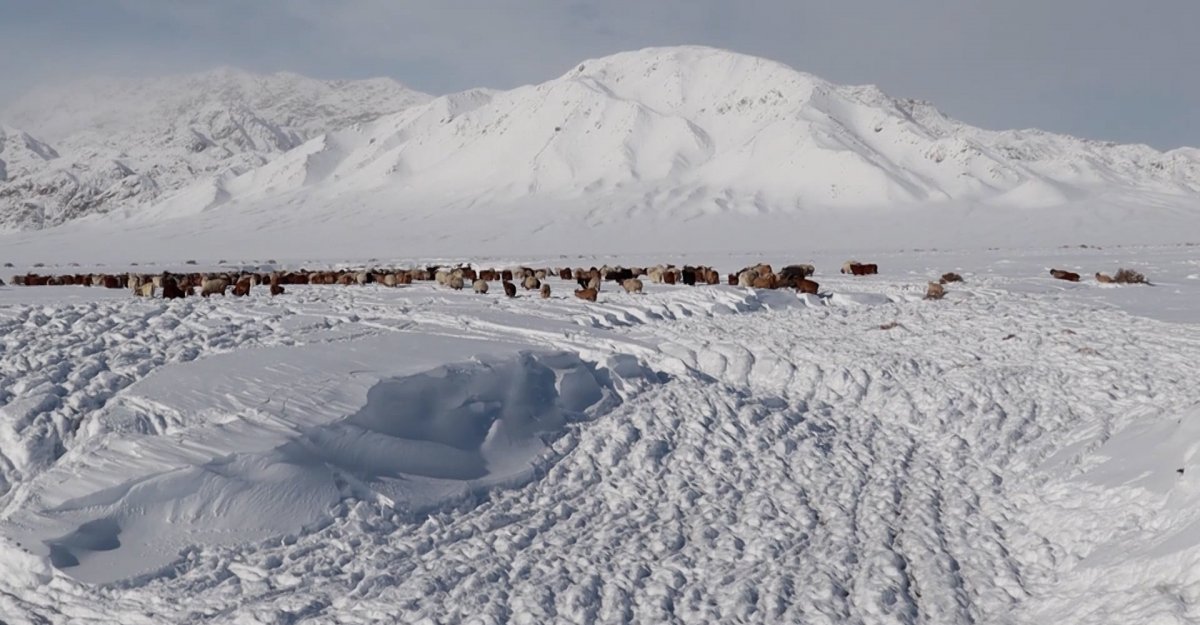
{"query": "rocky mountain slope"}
(106, 144)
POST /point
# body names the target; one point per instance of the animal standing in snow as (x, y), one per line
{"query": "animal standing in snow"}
(213, 286)
(480, 286)
(586, 294)
(546, 291)
(935, 291)
(632, 285)
(510, 289)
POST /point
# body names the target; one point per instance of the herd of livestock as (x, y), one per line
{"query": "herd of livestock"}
(761, 276)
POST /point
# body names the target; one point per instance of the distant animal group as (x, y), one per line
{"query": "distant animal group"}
(1123, 276)
(590, 280)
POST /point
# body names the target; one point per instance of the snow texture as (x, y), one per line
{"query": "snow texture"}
(1019, 452)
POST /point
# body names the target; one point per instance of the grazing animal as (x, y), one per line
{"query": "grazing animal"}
(480, 286)
(145, 290)
(242, 287)
(733, 279)
(669, 276)
(531, 283)
(112, 282)
(510, 289)
(765, 282)
(689, 276)
(586, 294)
(594, 282)
(389, 279)
(951, 277)
(862, 269)
(797, 272)
(632, 285)
(1104, 278)
(747, 277)
(935, 291)
(455, 282)
(1069, 276)
(213, 286)
(546, 291)
(804, 285)
(170, 288)
(276, 289)
(564, 273)
(1129, 276)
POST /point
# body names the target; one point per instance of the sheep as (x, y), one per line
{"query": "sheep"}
(1104, 278)
(510, 289)
(594, 283)
(935, 291)
(733, 279)
(213, 286)
(276, 289)
(540, 274)
(632, 285)
(656, 274)
(531, 283)
(389, 279)
(1069, 276)
(546, 291)
(669, 276)
(586, 294)
(564, 273)
(455, 282)
(847, 267)
(747, 277)
(442, 277)
(480, 286)
(145, 290)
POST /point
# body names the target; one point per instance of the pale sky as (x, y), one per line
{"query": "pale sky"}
(1116, 70)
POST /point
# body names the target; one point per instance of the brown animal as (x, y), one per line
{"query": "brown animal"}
(951, 277)
(510, 289)
(171, 288)
(1104, 278)
(765, 282)
(935, 291)
(804, 285)
(862, 269)
(242, 287)
(546, 291)
(733, 279)
(276, 289)
(1069, 276)
(668, 276)
(564, 273)
(586, 294)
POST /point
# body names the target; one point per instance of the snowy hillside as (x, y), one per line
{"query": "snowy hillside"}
(107, 144)
(701, 148)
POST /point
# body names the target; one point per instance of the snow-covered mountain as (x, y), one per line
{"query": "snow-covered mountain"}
(695, 137)
(691, 130)
(102, 144)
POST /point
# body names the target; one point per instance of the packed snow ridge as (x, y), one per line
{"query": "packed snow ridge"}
(106, 144)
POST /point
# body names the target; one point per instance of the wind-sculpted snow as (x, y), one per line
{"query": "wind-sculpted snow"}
(1010, 454)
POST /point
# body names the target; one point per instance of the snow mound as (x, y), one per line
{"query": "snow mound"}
(230, 466)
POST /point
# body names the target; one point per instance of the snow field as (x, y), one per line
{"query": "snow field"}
(706, 455)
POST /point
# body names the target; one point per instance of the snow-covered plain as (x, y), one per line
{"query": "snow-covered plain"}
(1020, 452)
